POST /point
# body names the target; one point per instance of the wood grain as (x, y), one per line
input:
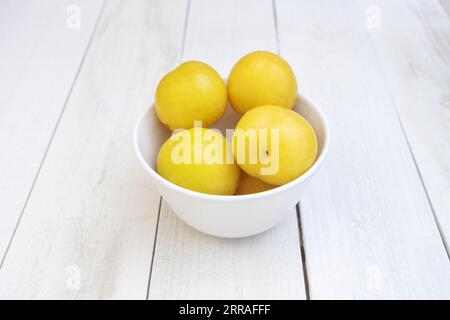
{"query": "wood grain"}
(88, 228)
(368, 228)
(446, 6)
(191, 265)
(39, 60)
(416, 65)
(86, 214)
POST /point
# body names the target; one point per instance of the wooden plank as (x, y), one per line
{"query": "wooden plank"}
(446, 6)
(368, 228)
(415, 56)
(191, 265)
(88, 229)
(40, 55)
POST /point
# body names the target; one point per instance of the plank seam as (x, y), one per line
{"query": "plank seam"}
(302, 252)
(183, 43)
(433, 211)
(186, 20)
(391, 97)
(275, 21)
(55, 129)
(154, 249)
(297, 206)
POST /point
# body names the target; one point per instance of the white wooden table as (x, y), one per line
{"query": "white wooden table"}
(79, 218)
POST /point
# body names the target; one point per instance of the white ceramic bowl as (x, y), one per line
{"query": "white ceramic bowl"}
(227, 216)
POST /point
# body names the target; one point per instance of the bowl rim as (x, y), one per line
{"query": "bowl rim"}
(234, 198)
